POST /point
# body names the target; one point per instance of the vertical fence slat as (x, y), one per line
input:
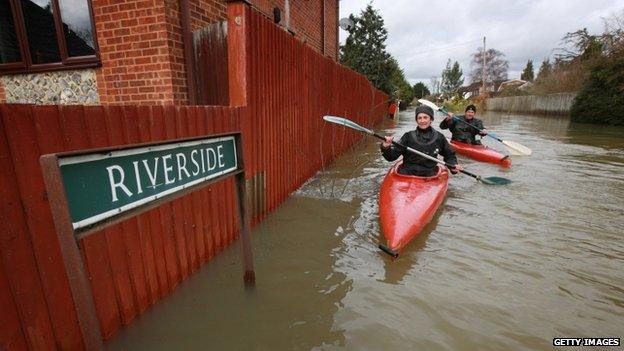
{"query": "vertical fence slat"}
(11, 333)
(117, 252)
(39, 219)
(158, 133)
(126, 132)
(152, 218)
(182, 128)
(95, 246)
(16, 248)
(195, 198)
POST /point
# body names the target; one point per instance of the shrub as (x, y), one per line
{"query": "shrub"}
(601, 100)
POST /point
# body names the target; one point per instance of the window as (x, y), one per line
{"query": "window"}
(46, 35)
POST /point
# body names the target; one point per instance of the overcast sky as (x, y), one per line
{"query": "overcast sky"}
(422, 35)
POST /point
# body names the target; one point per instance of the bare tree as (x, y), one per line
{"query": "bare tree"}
(496, 66)
(435, 85)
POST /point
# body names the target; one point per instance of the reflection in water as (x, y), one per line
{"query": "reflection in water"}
(498, 268)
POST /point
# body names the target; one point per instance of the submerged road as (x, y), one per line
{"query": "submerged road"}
(507, 267)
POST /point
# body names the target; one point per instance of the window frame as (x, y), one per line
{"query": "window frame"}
(66, 63)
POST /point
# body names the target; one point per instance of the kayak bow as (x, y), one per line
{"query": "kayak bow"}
(481, 153)
(406, 204)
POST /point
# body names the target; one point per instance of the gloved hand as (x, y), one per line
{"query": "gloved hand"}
(455, 169)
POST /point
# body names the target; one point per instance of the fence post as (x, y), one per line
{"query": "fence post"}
(237, 51)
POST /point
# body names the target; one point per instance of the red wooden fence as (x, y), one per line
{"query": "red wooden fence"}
(135, 263)
(290, 88)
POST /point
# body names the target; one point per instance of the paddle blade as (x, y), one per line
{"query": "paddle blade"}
(517, 149)
(347, 123)
(495, 181)
(429, 103)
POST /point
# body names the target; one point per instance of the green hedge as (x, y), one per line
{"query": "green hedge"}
(601, 99)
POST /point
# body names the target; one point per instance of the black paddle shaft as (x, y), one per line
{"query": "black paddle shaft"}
(443, 110)
(399, 145)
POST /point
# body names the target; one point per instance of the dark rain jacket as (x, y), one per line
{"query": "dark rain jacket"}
(461, 131)
(428, 141)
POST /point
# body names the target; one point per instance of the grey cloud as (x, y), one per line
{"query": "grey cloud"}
(424, 34)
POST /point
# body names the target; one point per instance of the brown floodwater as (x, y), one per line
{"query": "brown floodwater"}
(499, 267)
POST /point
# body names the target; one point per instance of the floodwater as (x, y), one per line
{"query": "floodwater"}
(499, 267)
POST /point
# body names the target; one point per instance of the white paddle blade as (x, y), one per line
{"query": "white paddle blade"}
(429, 103)
(517, 149)
(347, 123)
(513, 152)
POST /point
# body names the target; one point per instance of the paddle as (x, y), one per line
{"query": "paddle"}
(348, 123)
(513, 147)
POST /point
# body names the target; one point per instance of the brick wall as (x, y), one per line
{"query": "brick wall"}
(306, 21)
(134, 50)
(142, 52)
(2, 94)
(331, 28)
(207, 11)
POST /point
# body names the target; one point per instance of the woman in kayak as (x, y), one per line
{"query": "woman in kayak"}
(426, 140)
(463, 132)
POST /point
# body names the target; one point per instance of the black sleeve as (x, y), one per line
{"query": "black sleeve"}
(478, 123)
(447, 151)
(393, 152)
(446, 124)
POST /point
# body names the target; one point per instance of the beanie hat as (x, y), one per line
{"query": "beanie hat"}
(472, 108)
(424, 109)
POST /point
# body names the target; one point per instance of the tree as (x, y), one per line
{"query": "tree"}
(365, 49)
(544, 70)
(435, 85)
(496, 66)
(451, 78)
(527, 73)
(401, 89)
(421, 90)
(578, 44)
(601, 99)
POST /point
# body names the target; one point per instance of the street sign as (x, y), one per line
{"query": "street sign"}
(104, 184)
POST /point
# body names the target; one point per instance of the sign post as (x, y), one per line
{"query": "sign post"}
(92, 189)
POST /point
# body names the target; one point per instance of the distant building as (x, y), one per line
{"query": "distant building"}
(476, 88)
(514, 84)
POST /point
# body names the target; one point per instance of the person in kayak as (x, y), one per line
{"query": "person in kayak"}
(461, 131)
(426, 140)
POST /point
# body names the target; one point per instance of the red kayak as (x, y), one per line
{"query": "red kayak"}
(481, 153)
(407, 204)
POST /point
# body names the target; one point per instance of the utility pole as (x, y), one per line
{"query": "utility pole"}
(483, 68)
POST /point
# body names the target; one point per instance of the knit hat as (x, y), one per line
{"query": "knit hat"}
(472, 108)
(424, 109)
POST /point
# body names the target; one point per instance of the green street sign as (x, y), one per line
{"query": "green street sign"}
(102, 185)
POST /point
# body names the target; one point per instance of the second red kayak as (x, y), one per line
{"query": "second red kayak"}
(407, 204)
(481, 153)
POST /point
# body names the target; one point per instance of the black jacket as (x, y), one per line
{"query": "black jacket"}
(461, 131)
(428, 141)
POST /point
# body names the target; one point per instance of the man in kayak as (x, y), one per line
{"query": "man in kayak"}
(426, 140)
(461, 129)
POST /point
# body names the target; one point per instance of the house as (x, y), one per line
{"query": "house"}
(476, 88)
(133, 52)
(513, 84)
